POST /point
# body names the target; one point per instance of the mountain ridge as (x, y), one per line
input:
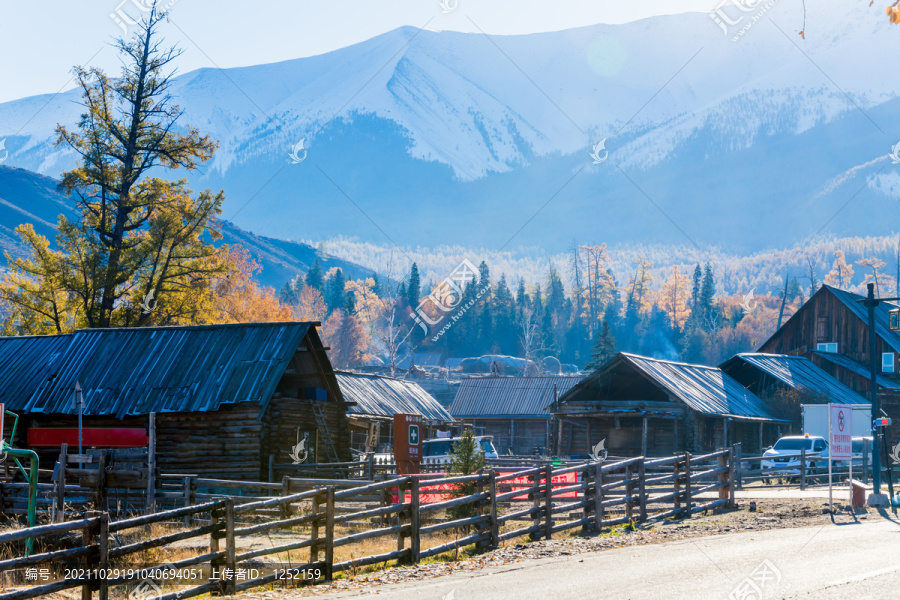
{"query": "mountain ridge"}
(423, 137)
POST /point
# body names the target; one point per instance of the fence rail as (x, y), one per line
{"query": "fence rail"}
(407, 514)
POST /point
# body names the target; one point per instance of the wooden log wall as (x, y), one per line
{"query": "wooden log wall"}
(218, 445)
(285, 416)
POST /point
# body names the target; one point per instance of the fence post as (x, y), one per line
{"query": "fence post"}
(103, 562)
(535, 497)
(286, 491)
(229, 546)
(61, 483)
(271, 468)
(213, 535)
(548, 502)
(629, 494)
(722, 463)
(151, 464)
(739, 467)
(370, 467)
(87, 539)
(598, 497)
(314, 530)
(642, 490)
(803, 468)
(414, 538)
(401, 496)
(329, 534)
(495, 525)
(731, 474)
(188, 498)
(688, 502)
(865, 461)
(586, 496)
(676, 485)
(101, 481)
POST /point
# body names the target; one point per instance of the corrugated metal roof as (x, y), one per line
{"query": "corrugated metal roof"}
(704, 389)
(800, 373)
(508, 396)
(882, 315)
(153, 369)
(385, 396)
(851, 365)
(28, 364)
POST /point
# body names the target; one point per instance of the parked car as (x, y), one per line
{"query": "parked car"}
(857, 453)
(784, 457)
(437, 451)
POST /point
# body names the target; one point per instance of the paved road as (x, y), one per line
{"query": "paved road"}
(843, 561)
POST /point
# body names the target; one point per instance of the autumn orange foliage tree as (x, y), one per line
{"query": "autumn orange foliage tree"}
(239, 299)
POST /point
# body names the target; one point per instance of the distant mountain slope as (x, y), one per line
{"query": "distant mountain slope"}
(441, 138)
(27, 197)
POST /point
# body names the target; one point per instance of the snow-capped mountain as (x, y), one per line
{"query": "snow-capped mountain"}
(733, 130)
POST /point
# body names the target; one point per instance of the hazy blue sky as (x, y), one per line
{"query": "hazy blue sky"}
(41, 41)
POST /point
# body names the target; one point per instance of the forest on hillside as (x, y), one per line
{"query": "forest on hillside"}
(585, 308)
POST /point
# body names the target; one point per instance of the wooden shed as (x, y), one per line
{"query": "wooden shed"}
(373, 402)
(225, 396)
(515, 410)
(649, 407)
(767, 375)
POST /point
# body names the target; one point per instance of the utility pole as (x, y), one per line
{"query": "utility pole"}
(871, 303)
(79, 404)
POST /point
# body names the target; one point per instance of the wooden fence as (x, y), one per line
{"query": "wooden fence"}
(538, 502)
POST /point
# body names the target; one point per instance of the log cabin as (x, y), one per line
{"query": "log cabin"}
(832, 330)
(374, 400)
(225, 396)
(515, 410)
(650, 407)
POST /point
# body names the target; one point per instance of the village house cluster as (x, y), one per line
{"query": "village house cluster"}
(236, 401)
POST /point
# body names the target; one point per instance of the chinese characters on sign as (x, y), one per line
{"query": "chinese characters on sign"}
(841, 442)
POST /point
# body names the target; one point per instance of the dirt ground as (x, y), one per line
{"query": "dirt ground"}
(769, 514)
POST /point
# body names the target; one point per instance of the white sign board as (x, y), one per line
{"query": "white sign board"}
(841, 434)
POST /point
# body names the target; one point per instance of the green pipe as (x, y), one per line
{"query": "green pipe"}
(31, 476)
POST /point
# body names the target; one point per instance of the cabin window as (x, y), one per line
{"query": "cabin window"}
(828, 347)
(887, 362)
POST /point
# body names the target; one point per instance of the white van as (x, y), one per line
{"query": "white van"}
(437, 451)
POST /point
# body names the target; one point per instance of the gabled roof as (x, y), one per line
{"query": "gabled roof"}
(882, 315)
(385, 396)
(508, 396)
(853, 366)
(796, 372)
(148, 369)
(704, 389)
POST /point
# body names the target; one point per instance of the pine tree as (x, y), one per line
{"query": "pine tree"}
(521, 297)
(707, 312)
(505, 318)
(132, 235)
(604, 347)
(413, 289)
(350, 303)
(376, 285)
(466, 458)
(314, 277)
(335, 291)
